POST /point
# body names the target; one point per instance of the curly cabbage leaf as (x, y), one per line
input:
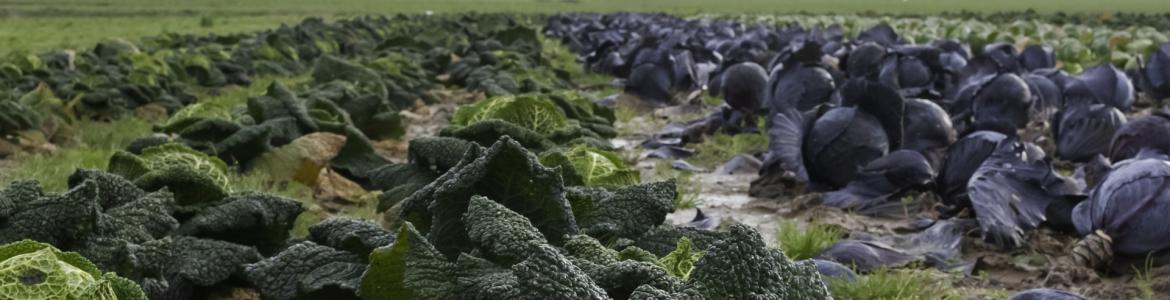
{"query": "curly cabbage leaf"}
(354, 235)
(506, 173)
(307, 269)
(438, 153)
(631, 212)
(171, 266)
(489, 131)
(682, 260)
(57, 219)
(547, 274)
(250, 218)
(411, 268)
(15, 116)
(197, 179)
(743, 267)
(529, 111)
(583, 165)
(194, 113)
(501, 234)
(32, 270)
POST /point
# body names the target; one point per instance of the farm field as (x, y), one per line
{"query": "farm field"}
(506, 149)
(39, 25)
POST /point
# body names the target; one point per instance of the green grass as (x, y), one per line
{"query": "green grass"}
(886, 284)
(97, 142)
(804, 243)
(42, 33)
(719, 148)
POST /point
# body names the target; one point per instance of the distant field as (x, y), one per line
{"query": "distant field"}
(116, 7)
(41, 33)
(36, 25)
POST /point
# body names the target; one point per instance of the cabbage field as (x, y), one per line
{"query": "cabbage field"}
(590, 155)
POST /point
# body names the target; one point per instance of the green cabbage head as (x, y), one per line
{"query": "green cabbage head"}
(588, 166)
(32, 270)
(533, 112)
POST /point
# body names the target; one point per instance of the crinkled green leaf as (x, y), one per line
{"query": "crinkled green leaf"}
(503, 236)
(304, 269)
(32, 270)
(487, 132)
(587, 248)
(592, 167)
(354, 235)
(250, 218)
(408, 269)
(547, 274)
(743, 267)
(682, 260)
(631, 211)
(506, 173)
(196, 179)
(532, 112)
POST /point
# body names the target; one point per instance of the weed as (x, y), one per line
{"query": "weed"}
(887, 284)
(804, 243)
(709, 100)
(1143, 281)
(998, 293)
(719, 148)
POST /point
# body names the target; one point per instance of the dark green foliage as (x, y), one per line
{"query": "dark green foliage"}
(630, 212)
(331, 68)
(584, 199)
(400, 180)
(743, 267)
(249, 218)
(305, 270)
(172, 266)
(620, 279)
(501, 235)
(506, 173)
(124, 229)
(438, 154)
(548, 274)
(480, 278)
(61, 220)
(15, 116)
(115, 190)
(589, 249)
(661, 240)
(357, 159)
(411, 268)
(356, 236)
(637, 254)
(280, 102)
(487, 132)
